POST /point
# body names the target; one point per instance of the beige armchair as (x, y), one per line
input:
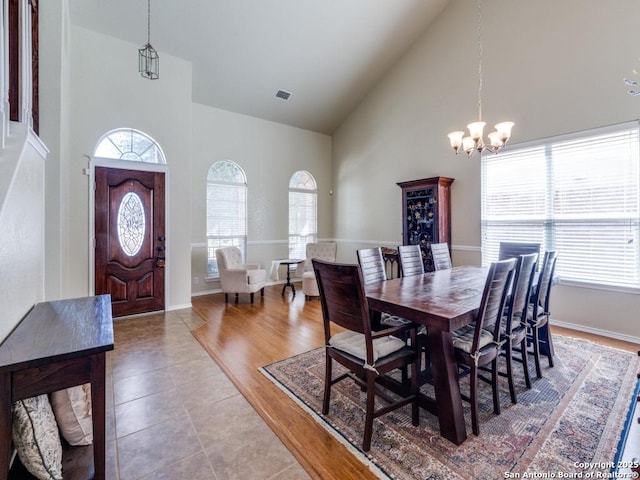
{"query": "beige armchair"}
(322, 251)
(236, 277)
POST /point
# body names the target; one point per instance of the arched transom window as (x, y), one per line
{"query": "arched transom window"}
(303, 222)
(226, 211)
(129, 144)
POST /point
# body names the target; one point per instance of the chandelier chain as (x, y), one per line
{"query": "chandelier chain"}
(474, 142)
(149, 22)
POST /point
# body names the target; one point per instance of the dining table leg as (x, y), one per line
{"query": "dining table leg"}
(447, 388)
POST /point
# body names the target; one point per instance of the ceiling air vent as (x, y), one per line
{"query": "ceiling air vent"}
(283, 95)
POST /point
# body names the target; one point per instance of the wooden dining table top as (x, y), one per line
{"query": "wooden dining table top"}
(444, 299)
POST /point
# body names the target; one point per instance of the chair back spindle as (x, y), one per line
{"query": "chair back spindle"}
(515, 249)
(441, 256)
(494, 298)
(521, 289)
(372, 265)
(543, 291)
(411, 262)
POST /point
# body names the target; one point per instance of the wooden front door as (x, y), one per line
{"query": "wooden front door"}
(130, 239)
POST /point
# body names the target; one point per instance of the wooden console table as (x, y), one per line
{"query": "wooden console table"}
(57, 345)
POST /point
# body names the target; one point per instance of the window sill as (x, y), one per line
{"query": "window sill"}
(599, 286)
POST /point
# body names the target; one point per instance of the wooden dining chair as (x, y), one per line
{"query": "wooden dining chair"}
(411, 262)
(373, 270)
(515, 249)
(478, 344)
(440, 256)
(538, 316)
(515, 327)
(368, 356)
(372, 265)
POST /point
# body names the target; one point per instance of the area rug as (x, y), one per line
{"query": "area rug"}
(568, 425)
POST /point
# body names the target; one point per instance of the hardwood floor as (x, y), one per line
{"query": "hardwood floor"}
(243, 337)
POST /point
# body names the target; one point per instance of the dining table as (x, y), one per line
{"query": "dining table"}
(443, 301)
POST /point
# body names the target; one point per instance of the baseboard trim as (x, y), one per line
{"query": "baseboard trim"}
(596, 331)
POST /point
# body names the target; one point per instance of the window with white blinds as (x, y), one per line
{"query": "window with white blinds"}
(576, 194)
(303, 213)
(226, 211)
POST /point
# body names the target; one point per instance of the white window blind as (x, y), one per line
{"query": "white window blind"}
(578, 195)
(303, 208)
(226, 211)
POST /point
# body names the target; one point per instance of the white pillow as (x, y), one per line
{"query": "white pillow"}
(72, 408)
(36, 438)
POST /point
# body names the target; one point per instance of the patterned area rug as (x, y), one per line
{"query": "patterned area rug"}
(567, 426)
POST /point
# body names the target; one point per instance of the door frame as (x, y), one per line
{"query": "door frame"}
(125, 165)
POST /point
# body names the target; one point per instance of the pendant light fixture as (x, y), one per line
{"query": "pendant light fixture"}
(474, 141)
(148, 59)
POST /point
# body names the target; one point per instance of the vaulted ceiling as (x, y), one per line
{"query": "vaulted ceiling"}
(327, 53)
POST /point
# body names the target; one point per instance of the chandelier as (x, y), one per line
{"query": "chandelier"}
(148, 59)
(474, 142)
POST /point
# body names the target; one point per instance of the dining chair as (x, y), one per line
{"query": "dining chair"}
(514, 328)
(478, 344)
(538, 316)
(411, 262)
(514, 249)
(440, 256)
(373, 270)
(368, 356)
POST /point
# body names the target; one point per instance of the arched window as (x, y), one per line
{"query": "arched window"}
(129, 144)
(226, 211)
(303, 206)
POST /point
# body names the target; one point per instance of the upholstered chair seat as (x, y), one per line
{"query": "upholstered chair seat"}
(463, 338)
(310, 285)
(354, 344)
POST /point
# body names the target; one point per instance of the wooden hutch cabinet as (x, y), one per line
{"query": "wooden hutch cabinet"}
(426, 213)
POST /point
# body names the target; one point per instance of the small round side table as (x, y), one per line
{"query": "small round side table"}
(288, 262)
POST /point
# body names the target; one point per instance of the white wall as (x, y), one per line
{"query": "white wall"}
(22, 240)
(269, 153)
(107, 92)
(552, 67)
(53, 68)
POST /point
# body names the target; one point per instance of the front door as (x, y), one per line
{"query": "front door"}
(130, 239)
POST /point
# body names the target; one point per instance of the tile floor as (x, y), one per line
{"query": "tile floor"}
(173, 414)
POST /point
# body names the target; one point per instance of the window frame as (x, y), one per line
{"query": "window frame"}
(301, 182)
(217, 241)
(125, 155)
(557, 220)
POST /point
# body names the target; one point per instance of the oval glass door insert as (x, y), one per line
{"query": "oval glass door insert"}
(131, 224)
